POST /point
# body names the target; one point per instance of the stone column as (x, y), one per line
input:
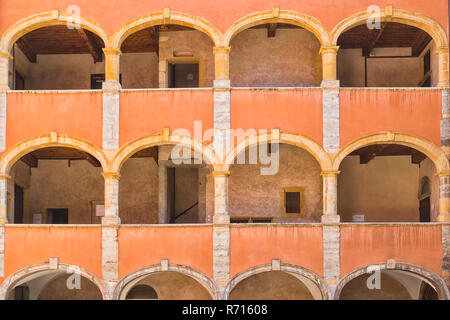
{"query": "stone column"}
(330, 214)
(3, 218)
(222, 63)
(331, 115)
(329, 57)
(445, 122)
(112, 64)
(222, 117)
(111, 109)
(110, 230)
(444, 77)
(4, 70)
(444, 197)
(221, 229)
(163, 215)
(446, 253)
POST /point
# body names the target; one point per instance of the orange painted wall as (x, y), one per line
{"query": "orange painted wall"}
(364, 112)
(111, 14)
(80, 246)
(33, 114)
(143, 113)
(363, 245)
(292, 110)
(146, 245)
(256, 245)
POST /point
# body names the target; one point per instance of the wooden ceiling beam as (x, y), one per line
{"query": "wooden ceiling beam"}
(372, 41)
(27, 50)
(30, 160)
(92, 45)
(420, 43)
(271, 30)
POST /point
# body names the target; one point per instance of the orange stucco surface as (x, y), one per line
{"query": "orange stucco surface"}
(111, 14)
(256, 245)
(77, 245)
(142, 246)
(144, 113)
(293, 110)
(33, 114)
(364, 112)
(363, 245)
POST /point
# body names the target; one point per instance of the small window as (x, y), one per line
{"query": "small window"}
(58, 216)
(292, 202)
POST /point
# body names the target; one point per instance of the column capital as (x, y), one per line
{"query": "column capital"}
(328, 49)
(111, 175)
(218, 174)
(4, 54)
(112, 51)
(443, 174)
(221, 50)
(327, 174)
(443, 50)
(5, 176)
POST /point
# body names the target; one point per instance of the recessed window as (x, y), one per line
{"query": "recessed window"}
(292, 202)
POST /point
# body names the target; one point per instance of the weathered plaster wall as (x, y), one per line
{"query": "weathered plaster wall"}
(176, 286)
(290, 59)
(255, 195)
(384, 72)
(274, 285)
(139, 70)
(383, 190)
(427, 169)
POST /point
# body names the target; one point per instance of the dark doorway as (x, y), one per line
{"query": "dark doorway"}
(425, 214)
(18, 204)
(58, 216)
(183, 75)
(21, 293)
(19, 82)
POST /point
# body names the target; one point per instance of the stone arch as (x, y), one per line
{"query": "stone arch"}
(41, 269)
(415, 270)
(279, 16)
(287, 268)
(131, 148)
(126, 283)
(307, 144)
(46, 19)
(435, 153)
(51, 140)
(166, 17)
(389, 14)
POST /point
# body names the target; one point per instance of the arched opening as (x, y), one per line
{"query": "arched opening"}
(387, 54)
(276, 285)
(167, 285)
(54, 285)
(142, 292)
(389, 285)
(167, 56)
(56, 185)
(275, 183)
(380, 183)
(57, 57)
(275, 55)
(166, 184)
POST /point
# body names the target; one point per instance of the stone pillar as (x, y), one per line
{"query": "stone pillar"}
(222, 117)
(3, 218)
(110, 231)
(111, 109)
(444, 77)
(4, 70)
(330, 214)
(2, 250)
(221, 229)
(163, 214)
(3, 104)
(112, 64)
(222, 63)
(445, 122)
(446, 253)
(329, 57)
(331, 115)
(444, 197)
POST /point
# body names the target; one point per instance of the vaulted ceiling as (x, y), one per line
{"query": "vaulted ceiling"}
(368, 153)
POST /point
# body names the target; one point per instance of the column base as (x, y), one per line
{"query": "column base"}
(331, 218)
(221, 219)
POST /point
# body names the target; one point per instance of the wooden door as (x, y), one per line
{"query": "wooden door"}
(425, 210)
(18, 204)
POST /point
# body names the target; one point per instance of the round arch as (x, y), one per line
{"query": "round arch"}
(127, 282)
(47, 19)
(307, 144)
(435, 280)
(157, 140)
(428, 148)
(41, 269)
(278, 16)
(166, 17)
(51, 140)
(390, 14)
(287, 268)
